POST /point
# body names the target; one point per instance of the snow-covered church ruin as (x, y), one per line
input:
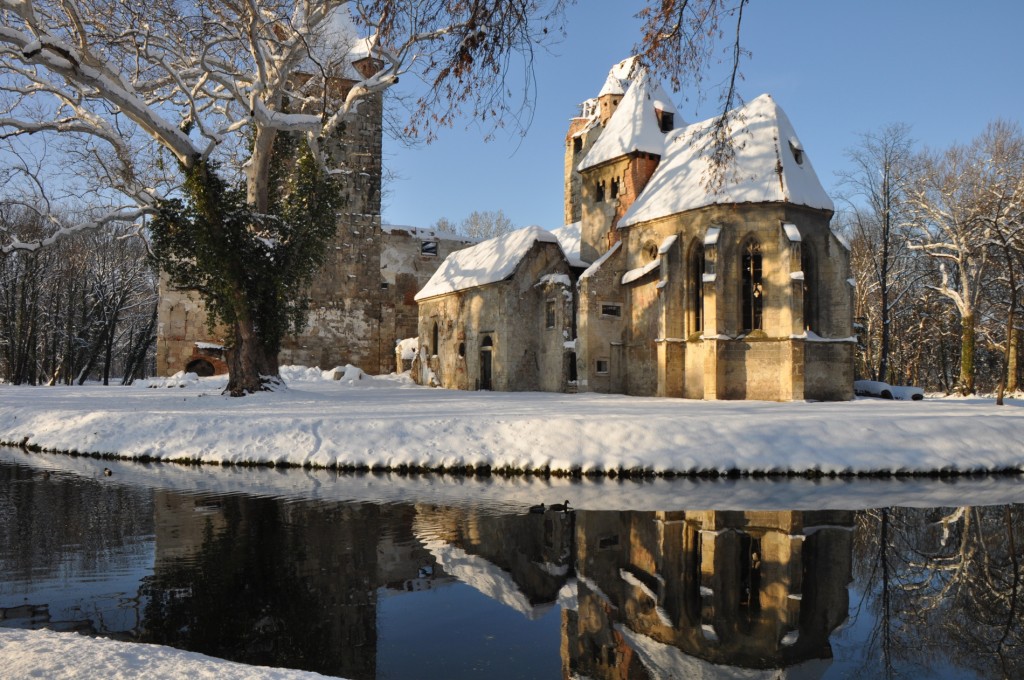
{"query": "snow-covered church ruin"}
(361, 301)
(671, 289)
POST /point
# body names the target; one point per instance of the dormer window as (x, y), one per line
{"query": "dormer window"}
(666, 120)
(798, 151)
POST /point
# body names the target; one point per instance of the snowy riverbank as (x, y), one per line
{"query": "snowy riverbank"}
(67, 656)
(390, 423)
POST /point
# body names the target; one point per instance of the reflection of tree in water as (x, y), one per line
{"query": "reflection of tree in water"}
(274, 584)
(54, 527)
(944, 584)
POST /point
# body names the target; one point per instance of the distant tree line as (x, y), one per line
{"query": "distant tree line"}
(479, 224)
(937, 240)
(83, 308)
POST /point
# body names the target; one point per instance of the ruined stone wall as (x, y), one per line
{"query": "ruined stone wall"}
(583, 132)
(345, 322)
(409, 257)
(181, 323)
(361, 301)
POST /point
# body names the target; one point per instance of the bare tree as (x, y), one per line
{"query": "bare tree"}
(946, 225)
(479, 225)
(876, 185)
(1003, 214)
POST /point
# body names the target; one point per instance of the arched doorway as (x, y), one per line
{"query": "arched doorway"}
(486, 350)
(200, 367)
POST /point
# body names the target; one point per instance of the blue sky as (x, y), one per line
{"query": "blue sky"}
(838, 69)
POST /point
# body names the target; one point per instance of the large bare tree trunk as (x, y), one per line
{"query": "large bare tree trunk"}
(1010, 322)
(967, 347)
(252, 366)
(1012, 364)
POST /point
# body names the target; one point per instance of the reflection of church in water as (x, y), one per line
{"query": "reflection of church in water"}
(674, 595)
(642, 594)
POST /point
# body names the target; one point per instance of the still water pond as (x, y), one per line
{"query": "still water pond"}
(426, 590)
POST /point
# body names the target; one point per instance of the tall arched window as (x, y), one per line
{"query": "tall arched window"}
(696, 286)
(753, 287)
(810, 289)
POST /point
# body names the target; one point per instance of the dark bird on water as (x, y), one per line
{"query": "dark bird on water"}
(559, 507)
(537, 509)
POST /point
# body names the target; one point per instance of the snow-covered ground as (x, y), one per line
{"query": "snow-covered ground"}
(67, 656)
(388, 423)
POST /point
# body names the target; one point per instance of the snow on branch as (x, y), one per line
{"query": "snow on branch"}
(117, 216)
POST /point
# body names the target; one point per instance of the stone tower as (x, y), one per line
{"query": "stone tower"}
(346, 298)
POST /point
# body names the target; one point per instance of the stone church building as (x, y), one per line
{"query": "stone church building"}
(700, 284)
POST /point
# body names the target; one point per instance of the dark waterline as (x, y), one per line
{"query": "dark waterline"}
(422, 590)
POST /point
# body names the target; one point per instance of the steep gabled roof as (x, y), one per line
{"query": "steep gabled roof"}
(619, 76)
(491, 261)
(569, 237)
(634, 126)
(770, 166)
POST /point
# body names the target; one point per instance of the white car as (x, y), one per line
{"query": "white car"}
(875, 388)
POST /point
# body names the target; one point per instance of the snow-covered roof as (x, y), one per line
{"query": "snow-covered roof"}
(667, 661)
(487, 262)
(593, 268)
(619, 76)
(770, 166)
(613, 85)
(335, 43)
(569, 238)
(481, 574)
(634, 126)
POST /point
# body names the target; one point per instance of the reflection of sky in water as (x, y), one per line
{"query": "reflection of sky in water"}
(858, 634)
(455, 631)
(108, 598)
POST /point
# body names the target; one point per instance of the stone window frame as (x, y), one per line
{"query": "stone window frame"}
(599, 191)
(695, 262)
(598, 366)
(610, 305)
(809, 284)
(429, 248)
(752, 285)
(550, 314)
